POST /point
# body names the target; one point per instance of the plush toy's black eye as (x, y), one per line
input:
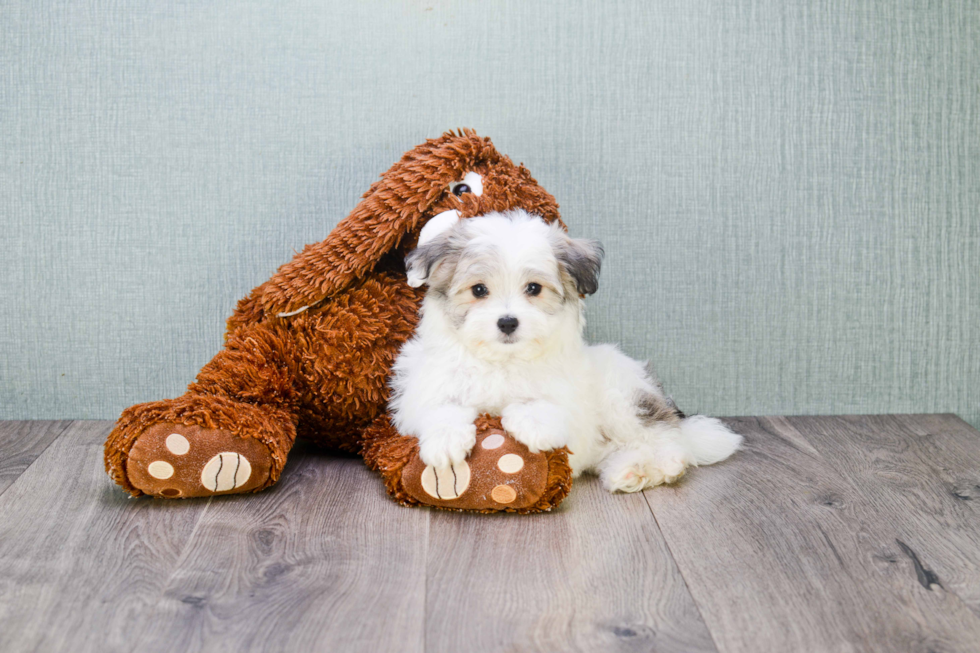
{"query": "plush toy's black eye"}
(461, 188)
(533, 289)
(479, 290)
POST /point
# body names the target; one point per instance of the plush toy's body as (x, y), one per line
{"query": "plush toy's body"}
(308, 354)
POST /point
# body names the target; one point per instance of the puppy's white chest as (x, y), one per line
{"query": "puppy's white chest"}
(495, 389)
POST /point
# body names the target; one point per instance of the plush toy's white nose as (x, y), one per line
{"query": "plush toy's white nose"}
(438, 224)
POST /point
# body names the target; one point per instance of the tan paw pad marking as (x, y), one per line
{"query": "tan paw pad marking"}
(178, 444)
(492, 441)
(510, 463)
(503, 494)
(160, 469)
(447, 482)
(226, 471)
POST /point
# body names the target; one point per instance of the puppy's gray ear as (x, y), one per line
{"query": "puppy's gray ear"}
(418, 264)
(422, 261)
(580, 259)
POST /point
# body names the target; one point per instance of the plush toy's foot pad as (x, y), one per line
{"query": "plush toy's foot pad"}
(500, 473)
(178, 461)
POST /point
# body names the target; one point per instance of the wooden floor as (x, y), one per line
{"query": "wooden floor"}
(824, 534)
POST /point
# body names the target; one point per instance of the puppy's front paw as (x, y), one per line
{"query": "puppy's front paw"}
(540, 426)
(445, 444)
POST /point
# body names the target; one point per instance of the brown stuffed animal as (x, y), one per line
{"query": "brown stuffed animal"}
(308, 354)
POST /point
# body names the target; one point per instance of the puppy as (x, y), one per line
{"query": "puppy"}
(501, 333)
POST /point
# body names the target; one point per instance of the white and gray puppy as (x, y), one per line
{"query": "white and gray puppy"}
(501, 333)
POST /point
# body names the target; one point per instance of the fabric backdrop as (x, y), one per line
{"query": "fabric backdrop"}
(787, 191)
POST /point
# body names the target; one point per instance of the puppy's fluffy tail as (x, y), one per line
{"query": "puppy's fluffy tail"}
(707, 440)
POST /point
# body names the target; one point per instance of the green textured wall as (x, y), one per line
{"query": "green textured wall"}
(788, 192)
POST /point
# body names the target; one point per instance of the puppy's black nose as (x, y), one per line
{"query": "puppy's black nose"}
(507, 324)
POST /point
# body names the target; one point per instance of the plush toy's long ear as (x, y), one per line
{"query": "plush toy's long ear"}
(392, 208)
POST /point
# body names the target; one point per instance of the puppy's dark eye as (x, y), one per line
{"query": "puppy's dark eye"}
(533, 289)
(479, 290)
(460, 188)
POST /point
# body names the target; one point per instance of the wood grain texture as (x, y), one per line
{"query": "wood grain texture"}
(593, 576)
(782, 553)
(323, 561)
(82, 565)
(825, 534)
(922, 474)
(21, 443)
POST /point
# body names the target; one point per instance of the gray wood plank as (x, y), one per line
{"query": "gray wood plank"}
(80, 562)
(595, 575)
(850, 533)
(782, 553)
(922, 474)
(323, 561)
(21, 443)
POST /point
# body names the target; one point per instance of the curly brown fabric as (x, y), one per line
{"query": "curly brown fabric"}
(321, 371)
